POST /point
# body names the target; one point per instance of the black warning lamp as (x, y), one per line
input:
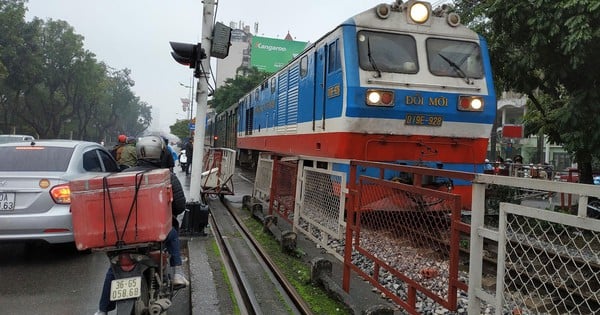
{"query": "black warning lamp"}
(190, 55)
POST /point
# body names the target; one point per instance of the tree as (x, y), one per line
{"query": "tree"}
(181, 128)
(17, 61)
(234, 89)
(51, 87)
(547, 49)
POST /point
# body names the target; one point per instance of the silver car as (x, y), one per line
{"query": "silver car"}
(34, 186)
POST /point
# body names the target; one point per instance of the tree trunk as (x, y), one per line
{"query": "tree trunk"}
(584, 167)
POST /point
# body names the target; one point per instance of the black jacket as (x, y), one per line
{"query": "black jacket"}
(178, 205)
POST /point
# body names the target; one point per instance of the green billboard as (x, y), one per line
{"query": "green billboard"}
(270, 54)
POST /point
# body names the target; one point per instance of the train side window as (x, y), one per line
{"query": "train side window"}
(272, 85)
(304, 66)
(334, 57)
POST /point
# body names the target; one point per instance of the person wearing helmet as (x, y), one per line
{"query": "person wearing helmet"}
(151, 154)
(118, 148)
(128, 155)
(183, 161)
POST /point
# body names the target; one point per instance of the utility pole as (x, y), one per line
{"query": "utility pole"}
(197, 57)
(202, 101)
(191, 101)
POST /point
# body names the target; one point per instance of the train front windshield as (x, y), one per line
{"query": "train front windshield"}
(397, 53)
(387, 52)
(454, 58)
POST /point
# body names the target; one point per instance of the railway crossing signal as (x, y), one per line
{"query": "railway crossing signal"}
(189, 55)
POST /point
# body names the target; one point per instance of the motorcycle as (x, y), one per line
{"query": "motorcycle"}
(183, 162)
(142, 283)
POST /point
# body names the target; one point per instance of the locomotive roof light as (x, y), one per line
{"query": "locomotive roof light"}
(419, 12)
(380, 98)
(453, 19)
(383, 11)
(470, 103)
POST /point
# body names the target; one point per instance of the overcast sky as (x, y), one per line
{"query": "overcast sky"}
(135, 34)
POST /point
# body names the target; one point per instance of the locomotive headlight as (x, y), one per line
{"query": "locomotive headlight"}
(380, 98)
(470, 103)
(419, 12)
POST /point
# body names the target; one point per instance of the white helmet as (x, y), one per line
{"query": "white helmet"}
(150, 148)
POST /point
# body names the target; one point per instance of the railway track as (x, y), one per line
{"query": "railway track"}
(258, 285)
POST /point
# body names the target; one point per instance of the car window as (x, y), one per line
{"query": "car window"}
(35, 158)
(91, 161)
(110, 165)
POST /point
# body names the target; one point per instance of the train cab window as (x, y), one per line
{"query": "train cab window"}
(454, 58)
(334, 57)
(385, 52)
(304, 66)
(272, 85)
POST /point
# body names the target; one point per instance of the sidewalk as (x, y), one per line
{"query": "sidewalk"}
(207, 286)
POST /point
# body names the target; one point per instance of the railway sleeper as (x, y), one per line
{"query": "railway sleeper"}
(286, 238)
(255, 207)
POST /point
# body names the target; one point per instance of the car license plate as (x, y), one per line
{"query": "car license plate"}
(423, 120)
(7, 201)
(126, 288)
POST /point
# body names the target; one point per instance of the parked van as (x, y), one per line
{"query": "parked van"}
(15, 138)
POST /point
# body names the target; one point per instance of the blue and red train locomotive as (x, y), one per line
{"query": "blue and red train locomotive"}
(398, 83)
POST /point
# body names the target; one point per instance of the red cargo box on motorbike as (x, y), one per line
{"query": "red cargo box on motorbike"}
(139, 202)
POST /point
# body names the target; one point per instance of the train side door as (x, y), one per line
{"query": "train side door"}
(320, 77)
(328, 83)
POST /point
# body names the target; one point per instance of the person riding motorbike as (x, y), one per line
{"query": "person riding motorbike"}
(152, 153)
(183, 161)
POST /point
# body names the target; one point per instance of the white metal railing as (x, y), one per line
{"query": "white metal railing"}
(547, 259)
(264, 175)
(218, 170)
(319, 210)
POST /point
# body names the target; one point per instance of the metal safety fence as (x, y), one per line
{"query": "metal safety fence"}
(515, 252)
(546, 258)
(262, 183)
(217, 171)
(283, 188)
(403, 234)
(320, 208)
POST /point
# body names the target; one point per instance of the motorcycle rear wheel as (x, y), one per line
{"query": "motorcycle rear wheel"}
(143, 301)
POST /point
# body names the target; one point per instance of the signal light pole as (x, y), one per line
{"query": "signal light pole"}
(215, 40)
